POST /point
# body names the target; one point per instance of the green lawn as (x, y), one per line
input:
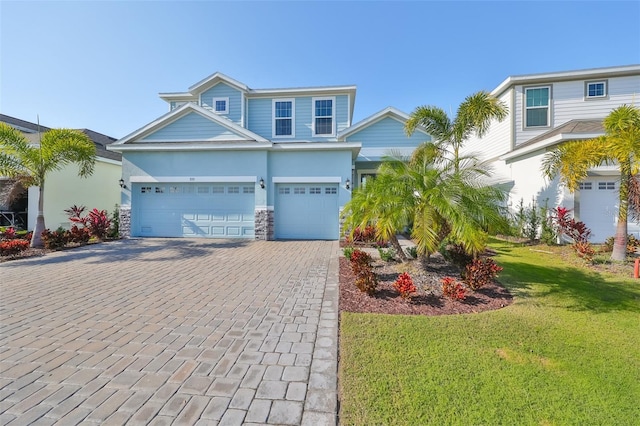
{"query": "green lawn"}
(566, 352)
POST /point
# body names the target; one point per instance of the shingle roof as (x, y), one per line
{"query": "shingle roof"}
(30, 129)
(573, 127)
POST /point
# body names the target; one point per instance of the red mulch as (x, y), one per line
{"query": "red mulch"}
(428, 300)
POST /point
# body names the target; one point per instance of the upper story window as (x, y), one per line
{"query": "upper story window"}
(595, 89)
(324, 116)
(283, 117)
(537, 106)
(220, 105)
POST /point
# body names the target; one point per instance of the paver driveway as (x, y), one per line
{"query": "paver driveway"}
(163, 331)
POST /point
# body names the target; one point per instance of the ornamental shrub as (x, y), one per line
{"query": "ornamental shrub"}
(584, 250)
(480, 272)
(78, 235)
(404, 285)
(364, 235)
(453, 289)
(347, 251)
(98, 223)
(366, 280)
(387, 255)
(54, 240)
(11, 247)
(8, 234)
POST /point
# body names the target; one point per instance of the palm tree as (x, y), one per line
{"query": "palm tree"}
(29, 163)
(445, 199)
(380, 202)
(474, 116)
(620, 146)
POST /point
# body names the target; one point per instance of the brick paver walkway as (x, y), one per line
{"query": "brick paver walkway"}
(163, 331)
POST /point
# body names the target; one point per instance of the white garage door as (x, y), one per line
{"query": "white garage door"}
(210, 210)
(306, 211)
(599, 207)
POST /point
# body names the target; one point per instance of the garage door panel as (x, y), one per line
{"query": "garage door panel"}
(306, 211)
(195, 210)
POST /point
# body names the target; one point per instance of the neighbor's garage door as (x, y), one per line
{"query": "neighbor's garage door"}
(306, 211)
(211, 210)
(599, 207)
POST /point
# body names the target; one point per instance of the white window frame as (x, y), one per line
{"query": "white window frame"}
(293, 117)
(605, 95)
(526, 108)
(333, 116)
(226, 104)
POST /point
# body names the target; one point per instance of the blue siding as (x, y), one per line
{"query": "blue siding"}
(259, 121)
(309, 164)
(261, 117)
(192, 126)
(222, 90)
(387, 133)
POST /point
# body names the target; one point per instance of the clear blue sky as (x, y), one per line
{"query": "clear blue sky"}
(100, 65)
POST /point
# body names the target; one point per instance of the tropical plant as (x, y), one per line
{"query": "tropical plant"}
(29, 164)
(619, 146)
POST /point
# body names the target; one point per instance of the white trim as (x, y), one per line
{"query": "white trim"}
(376, 154)
(292, 118)
(313, 116)
(302, 91)
(219, 98)
(194, 179)
(388, 112)
(200, 86)
(213, 146)
(260, 208)
(307, 179)
(109, 161)
(554, 140)
(525, 124)
(604, 82)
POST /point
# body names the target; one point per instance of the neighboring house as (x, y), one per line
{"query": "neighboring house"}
(63, 187)
(234, 162)
(546, 110)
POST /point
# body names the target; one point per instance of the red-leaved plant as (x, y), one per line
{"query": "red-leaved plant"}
(480, 272)
(15, 246)
(453, 289)
(366, 280)
(404, 285)
(8, 234)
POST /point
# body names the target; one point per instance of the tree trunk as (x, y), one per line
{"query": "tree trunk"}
(36, 238)
(396, 245)
(620, 241)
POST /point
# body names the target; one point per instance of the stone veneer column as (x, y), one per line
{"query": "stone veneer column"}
(125, 221)
(264, 224)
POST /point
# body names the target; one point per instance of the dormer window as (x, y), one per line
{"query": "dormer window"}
(220, 105)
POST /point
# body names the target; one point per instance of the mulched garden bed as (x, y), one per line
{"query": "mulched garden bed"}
(428, 300)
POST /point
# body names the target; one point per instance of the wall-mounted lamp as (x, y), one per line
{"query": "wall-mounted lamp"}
(261, 183)
(347, 184)
(121, 182)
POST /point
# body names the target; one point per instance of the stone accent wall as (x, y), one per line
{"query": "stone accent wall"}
(264, 225)
(125, 221)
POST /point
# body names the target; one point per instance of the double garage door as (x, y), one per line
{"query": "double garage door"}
(306, 211)
(211, 210)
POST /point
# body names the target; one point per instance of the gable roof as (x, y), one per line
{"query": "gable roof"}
(388, 112)
(101, 141)
(183, 110)
(591, 73)
(571, 130)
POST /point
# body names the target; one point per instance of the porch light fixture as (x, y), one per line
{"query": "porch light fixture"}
(347, 184)
(261, 183)
(121, 182)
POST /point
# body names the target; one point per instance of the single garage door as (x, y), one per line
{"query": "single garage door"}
(599, 207)
(210, 210)
(306, 211)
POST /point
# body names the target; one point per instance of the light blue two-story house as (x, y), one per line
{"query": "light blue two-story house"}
(228, 161)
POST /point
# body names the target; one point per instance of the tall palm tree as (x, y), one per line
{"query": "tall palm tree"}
(620, 146)
(474, 116)
(30, 163)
